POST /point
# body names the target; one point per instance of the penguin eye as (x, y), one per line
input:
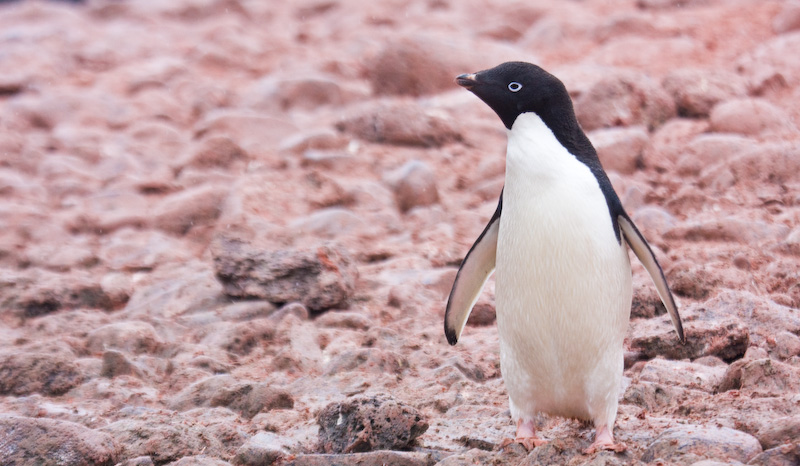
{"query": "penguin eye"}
(514, 86)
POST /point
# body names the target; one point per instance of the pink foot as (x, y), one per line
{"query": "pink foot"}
(526, 436)
(604, 440)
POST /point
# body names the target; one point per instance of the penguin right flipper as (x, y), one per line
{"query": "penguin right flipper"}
(475, 269)
(642, 250)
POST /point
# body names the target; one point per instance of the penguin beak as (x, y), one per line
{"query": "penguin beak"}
(467, 80)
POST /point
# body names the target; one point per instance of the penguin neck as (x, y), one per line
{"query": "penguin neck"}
(536, 152)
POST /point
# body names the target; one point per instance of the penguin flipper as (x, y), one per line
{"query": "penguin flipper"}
(642, 250)
(475, 269)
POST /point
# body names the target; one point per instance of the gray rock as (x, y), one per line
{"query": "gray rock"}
(25, 440)
(131, 336)
(199, 460)
(51, 374)
(138, 461)
(363, 424)
(246, 398)
(180, 212)
(399, 123)
(684, 374)
(694, 442)
(320, 278)
(264, 448)
(649, 395)
(116, 363)
(414, 184)
(35, 292)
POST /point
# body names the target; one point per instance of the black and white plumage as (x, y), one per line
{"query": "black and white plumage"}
(558, 246)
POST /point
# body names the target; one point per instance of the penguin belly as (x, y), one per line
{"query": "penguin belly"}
(562, 290)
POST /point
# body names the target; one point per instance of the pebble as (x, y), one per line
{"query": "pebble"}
(180, 212)
(245, 397)
(697, 91)
(727, 338)
(414, 184)
(620, 149)
(362, 424)
(784, 455)
(399, 123)
(51, 374)
(684, 374)
(747, 116)
(780, 431)
(131, 336)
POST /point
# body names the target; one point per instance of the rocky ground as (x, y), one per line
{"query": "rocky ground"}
(228, 227)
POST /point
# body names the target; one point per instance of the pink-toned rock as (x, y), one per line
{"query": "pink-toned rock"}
(706, 150)
(659, 4)
(730, 229)
(779, 432)
(131, 336)
(748, 116)
(787, 344)
(26, 440)
(26, 373)
(414, 184)
(38, 292)
(684, 374)
(199, 460)
(381, 457)
(668, 142)
(784, 455)
(216, 152)
(362, 424)
(130, 250)
(620, 149)
(245, 397)
(399, 122)
(727, 339)
(320, 278)
(767, 377)
(772, 164)
(255, 133)
(624, 99)
(788, 19)
(180, 212)
(328, 223)
(697, 91)
(688, 443)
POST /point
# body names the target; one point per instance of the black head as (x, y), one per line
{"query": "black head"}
(514, 88)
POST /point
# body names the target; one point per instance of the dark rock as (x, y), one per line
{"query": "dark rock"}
(131, 336)
(37, 292)
(727, 339)
(697, 91)
(373, 458)
(363, 424)
(784, 455)
(320, 278)
(25, 440)
(483, 313)
(624, 99)
(399, 123)
(780, 431)
(645, 303)
(689, 443)
(414, 184)
(45, 373)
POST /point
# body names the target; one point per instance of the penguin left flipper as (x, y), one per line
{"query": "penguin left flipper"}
(475, 269)
(642, 250)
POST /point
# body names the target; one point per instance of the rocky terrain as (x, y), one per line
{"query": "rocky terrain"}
(228, 228)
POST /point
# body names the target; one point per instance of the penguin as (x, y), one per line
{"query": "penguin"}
(558, 246)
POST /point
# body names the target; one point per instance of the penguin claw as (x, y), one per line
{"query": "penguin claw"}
(615, 447)
(529, 443)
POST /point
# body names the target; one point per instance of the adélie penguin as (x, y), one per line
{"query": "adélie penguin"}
(557, 244)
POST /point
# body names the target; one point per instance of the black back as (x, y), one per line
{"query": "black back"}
(542, 93)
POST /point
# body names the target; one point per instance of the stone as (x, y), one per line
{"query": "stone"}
(25, 373)
(663, 4)
(784, 455)
(707, 150)
(199, 460)
(624, 99)
(136, 250)
(167, 436)
(368, 423)
(344, 319)
(216, 152)
(694, 442)
(180, 212)
(254, 132)
(620, 149)
(116, 363)
(767, 377)
(264, 448)
(319, 278)
(243, 337)
(779, 431)
(373, 360)
(36, 292)
(138, 461)
(650, 396)
(399, 123)
(372, 458)
(749, 116)
(414, 184)
(683, 374)
(132, 336)
(726, 338)
(732, 228)
(788, 19)
(246, 398)
(483, 313)
(328, 223)
(697, 91)
(25, 440)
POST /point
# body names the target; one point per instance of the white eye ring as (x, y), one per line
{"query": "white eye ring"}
(514, 86)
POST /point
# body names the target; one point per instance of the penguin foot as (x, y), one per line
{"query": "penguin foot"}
(604, 440)
(526, 436)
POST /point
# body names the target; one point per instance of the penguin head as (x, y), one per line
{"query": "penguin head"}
(514, 88)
